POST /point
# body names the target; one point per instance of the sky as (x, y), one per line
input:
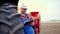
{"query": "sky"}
(48, 9)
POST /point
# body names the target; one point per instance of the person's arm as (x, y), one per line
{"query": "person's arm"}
(32, 20)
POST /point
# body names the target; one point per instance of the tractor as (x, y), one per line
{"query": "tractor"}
(36, 21)
(9, 18)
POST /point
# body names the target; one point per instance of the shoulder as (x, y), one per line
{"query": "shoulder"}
(28, 14)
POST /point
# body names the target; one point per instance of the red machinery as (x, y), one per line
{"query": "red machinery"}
(36, 22)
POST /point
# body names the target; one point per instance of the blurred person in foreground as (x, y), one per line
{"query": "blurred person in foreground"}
(27, 20)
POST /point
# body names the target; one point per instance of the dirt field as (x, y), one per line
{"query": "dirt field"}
(50, 28)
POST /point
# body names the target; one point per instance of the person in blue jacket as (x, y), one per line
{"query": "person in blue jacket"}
(28, 29)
